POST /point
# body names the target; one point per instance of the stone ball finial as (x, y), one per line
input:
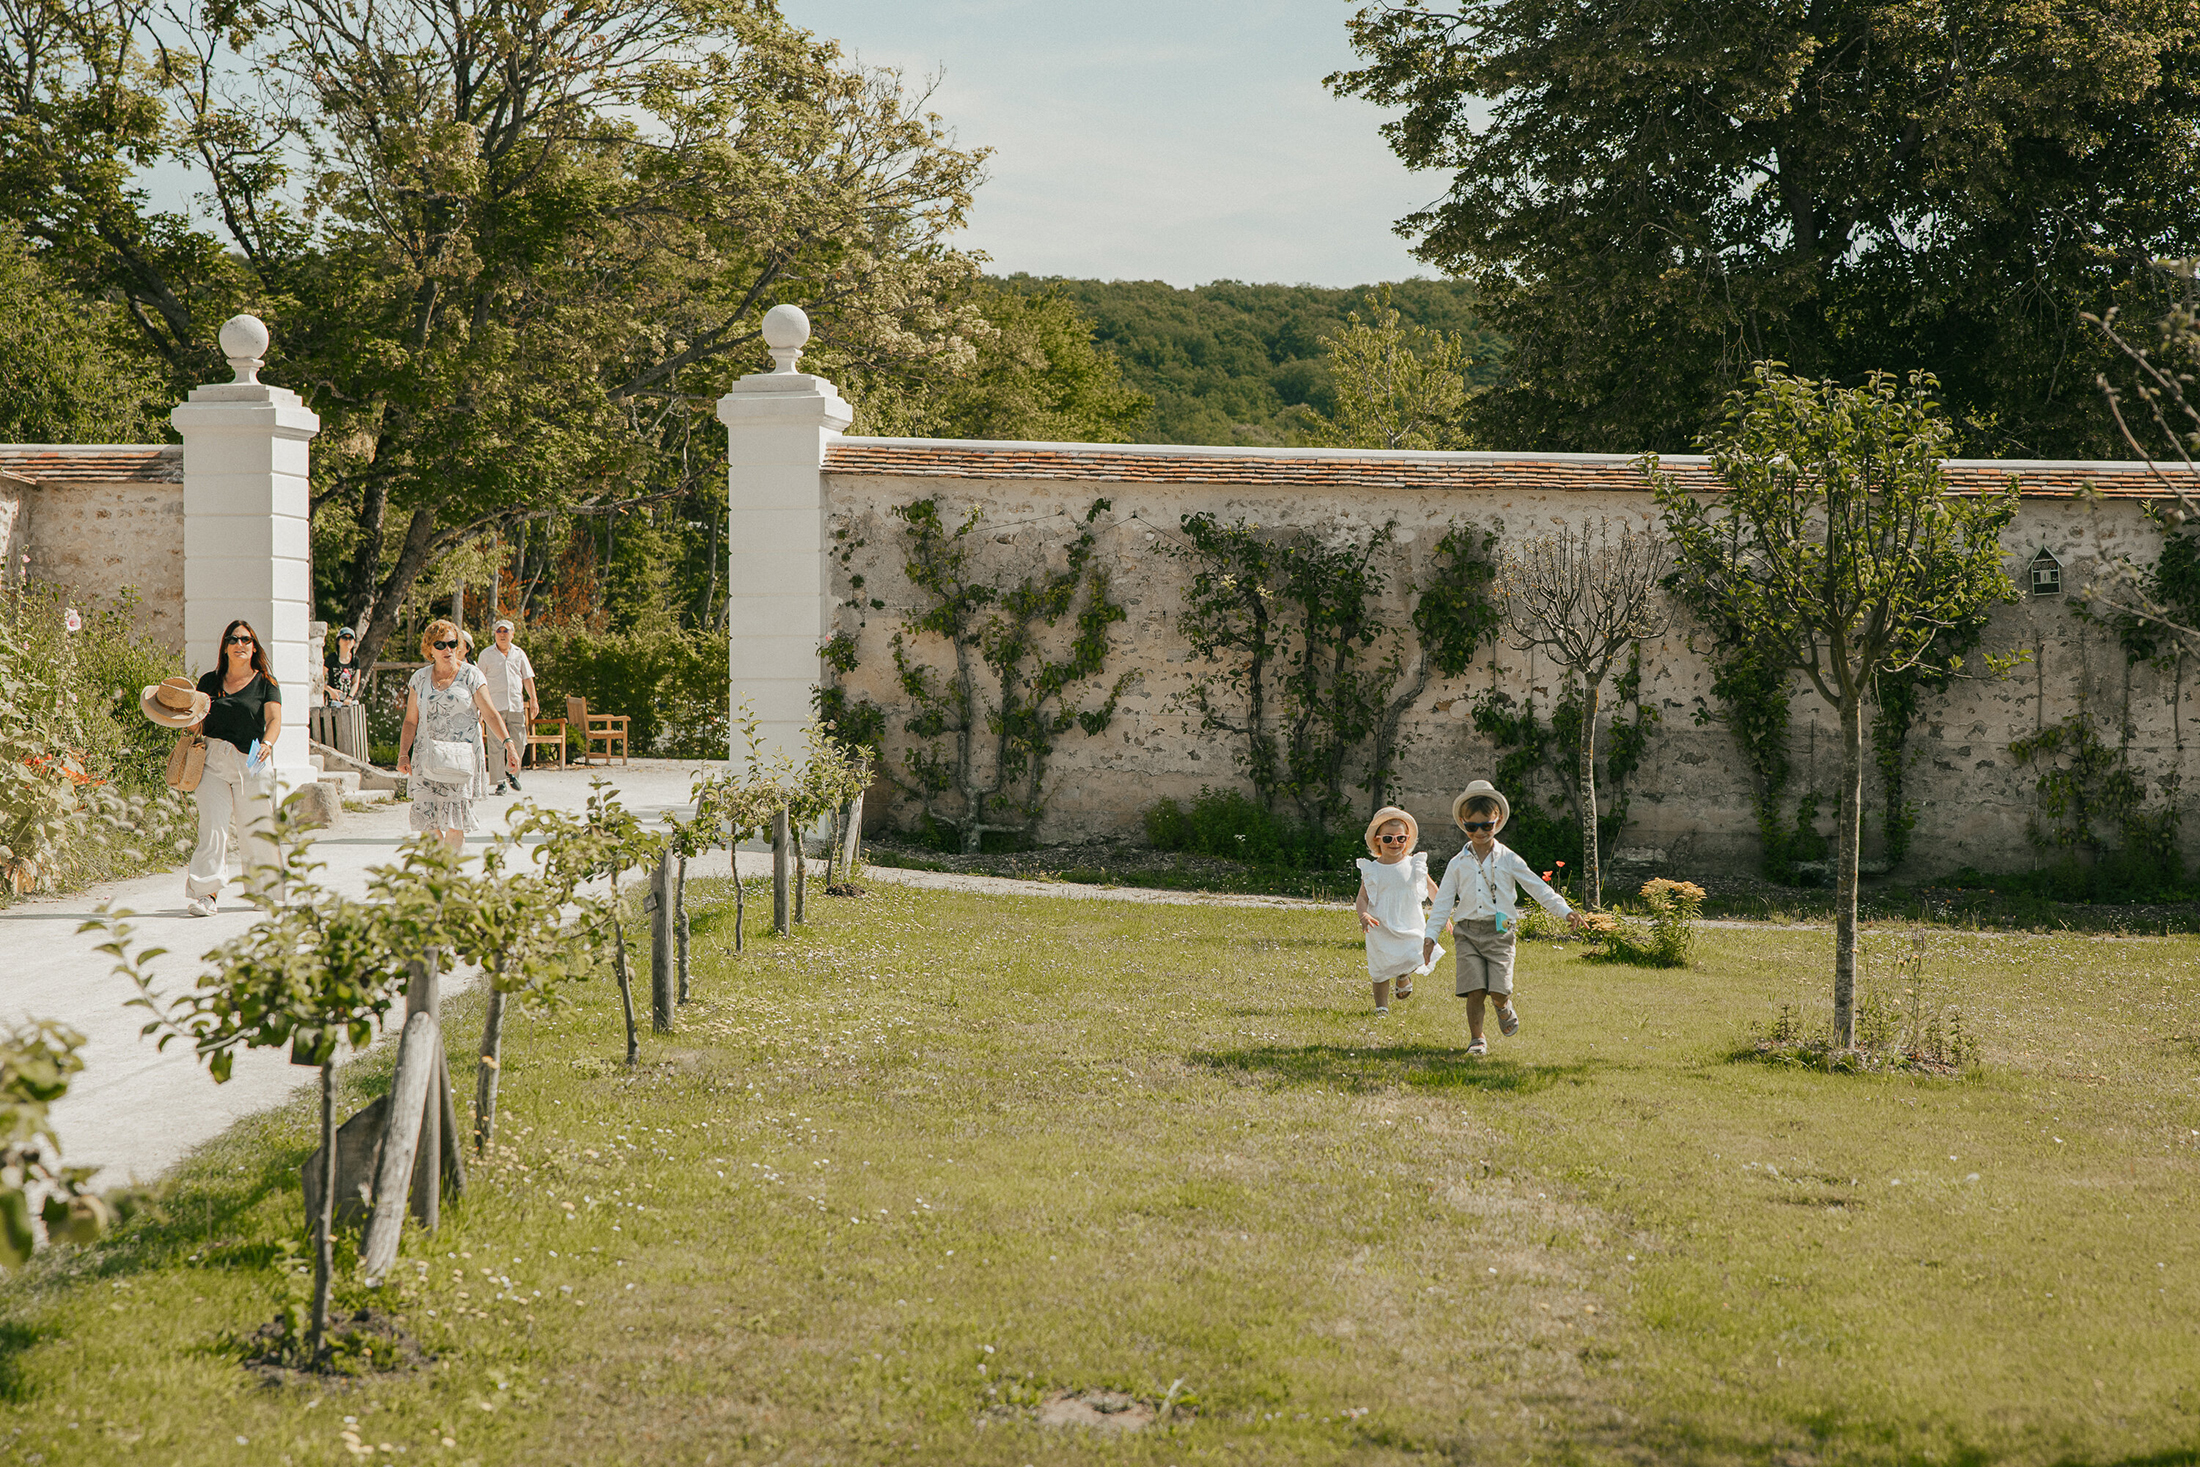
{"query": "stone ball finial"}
(786, 332)
(244, 341)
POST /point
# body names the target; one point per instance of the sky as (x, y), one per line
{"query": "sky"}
(1177, 140)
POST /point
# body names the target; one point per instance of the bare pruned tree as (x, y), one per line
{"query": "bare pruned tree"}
(2158, 415)
(1584, 596)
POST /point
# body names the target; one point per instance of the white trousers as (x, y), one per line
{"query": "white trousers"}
(227, 798)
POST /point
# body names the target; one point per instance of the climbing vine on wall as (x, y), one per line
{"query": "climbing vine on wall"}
(976, 733)
(1752, 698)
(1297, 665)
(2170, 588)
(1538, 761)
(2114, 842)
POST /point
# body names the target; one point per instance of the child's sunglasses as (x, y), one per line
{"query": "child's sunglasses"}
(1393, 840)
(1474, 825)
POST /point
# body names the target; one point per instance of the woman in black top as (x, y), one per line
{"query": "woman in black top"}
(342, 674)
(247, 708)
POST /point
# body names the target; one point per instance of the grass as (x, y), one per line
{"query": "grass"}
(940, 1156)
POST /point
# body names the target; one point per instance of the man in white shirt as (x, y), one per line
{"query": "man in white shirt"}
(511, 690)
(1480, 897)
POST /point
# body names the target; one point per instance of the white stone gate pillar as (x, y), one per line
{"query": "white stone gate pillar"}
(246, 539)
(779, 585)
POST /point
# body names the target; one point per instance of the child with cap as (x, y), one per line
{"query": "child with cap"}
(1480, 896)
(1392, 888)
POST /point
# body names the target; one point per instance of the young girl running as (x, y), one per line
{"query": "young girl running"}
(1392, 888)
(1480, 896)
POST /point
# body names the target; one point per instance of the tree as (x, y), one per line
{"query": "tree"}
(1395, 386)
(1036, 375)
(1836, 543)
(37, 1060)
(315, 970)
(1585, 598)
(71, 375)
(499, 247)
(1650, 197)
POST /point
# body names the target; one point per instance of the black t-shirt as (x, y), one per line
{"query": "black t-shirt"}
(239, 717)
(343, 677)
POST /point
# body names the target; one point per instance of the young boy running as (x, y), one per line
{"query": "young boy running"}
(1482, 883)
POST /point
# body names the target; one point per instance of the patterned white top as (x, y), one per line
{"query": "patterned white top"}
(449, 714)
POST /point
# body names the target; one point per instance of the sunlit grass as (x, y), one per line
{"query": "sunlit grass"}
(1142, 1148)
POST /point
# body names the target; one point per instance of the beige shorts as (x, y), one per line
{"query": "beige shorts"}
(1485, 957)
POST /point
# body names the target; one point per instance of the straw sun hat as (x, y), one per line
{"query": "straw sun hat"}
(1481, 789)
(1382, 818)
(174, 703)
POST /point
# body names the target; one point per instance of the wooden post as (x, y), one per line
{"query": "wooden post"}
(852, 839)
(659, 906)
(409, 1097)
(801, 881)
(779, 872)
(680, 921)
(488, 1071)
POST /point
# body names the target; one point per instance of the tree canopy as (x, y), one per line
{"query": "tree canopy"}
(508, 253)
(1651, 197)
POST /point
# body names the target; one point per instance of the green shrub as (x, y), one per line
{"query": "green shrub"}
(1232, 826)
(83, 794)
(1670, 939)
(673, 686)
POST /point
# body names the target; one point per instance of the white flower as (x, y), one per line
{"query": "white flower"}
(74, 621)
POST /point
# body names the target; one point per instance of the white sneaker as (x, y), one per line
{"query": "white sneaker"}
(198, 907)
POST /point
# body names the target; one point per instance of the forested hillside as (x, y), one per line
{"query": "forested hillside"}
(1228, 362)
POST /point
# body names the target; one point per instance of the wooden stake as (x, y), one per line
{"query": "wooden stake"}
(659, 906)
(406, 1118)
(680, 922)
(779, 872)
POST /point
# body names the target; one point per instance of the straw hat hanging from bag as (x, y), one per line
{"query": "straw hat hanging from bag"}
(175, 703)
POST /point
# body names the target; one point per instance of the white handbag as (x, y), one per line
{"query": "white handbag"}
(444, 761)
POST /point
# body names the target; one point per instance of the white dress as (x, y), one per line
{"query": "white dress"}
(448, 713)
(1394, 896)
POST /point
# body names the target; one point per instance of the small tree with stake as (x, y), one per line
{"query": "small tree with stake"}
(315, 970)
(606, 842)
(1836, 543)
(1584, 597)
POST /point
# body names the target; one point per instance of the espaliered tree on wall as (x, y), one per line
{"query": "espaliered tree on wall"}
(1836, 543)
(1583, 598)
(981, 729)
(1286, 626)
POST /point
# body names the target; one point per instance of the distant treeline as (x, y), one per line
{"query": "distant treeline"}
(1228, 363)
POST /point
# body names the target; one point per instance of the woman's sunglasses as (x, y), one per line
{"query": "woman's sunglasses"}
(1474, 825)
(445, 646)
(240, 641)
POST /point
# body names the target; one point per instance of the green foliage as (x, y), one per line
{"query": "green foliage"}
(1234, 363)
(1914, 1030)
(504, 254)
(37, 1061)
(72, 375)
(1230, 825)
(2110, 843)
(82, 771)
(1649, 198)
(1395, 386)
(1037, 375)
(2156, 628)
(671, 683)
(992, 764)
(1669, 942)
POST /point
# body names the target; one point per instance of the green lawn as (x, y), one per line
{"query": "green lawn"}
(940, 1157)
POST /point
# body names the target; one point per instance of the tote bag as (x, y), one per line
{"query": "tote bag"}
(187, 762)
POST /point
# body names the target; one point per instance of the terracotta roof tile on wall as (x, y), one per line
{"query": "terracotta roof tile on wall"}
(1331, 469)
(95, 463)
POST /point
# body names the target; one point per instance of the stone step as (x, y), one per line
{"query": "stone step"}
(315, 763)
(345, 780)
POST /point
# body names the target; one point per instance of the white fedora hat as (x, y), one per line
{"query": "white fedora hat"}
(174, 703)
(1481, 789)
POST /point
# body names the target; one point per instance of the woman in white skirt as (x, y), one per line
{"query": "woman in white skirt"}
(1392, 888)
(439, 748)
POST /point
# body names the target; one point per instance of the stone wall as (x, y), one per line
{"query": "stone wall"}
(95, 519)
(1692, 809)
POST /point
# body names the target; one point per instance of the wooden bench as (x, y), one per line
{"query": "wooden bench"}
(596, 728)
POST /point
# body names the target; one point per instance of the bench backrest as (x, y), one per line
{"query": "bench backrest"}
(576, 710)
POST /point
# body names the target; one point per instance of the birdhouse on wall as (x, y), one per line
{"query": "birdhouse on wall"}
(2046, 574)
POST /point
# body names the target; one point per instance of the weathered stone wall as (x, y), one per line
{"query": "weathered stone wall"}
(95, 519)
(1692, 809)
